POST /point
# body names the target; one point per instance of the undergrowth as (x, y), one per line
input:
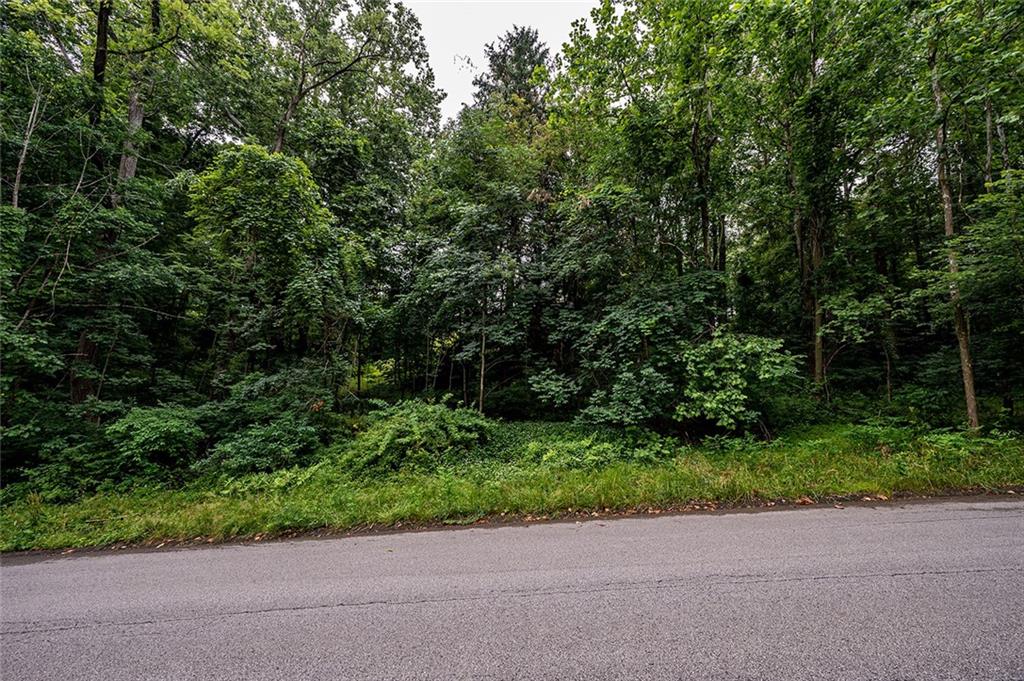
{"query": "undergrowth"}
(522, 469)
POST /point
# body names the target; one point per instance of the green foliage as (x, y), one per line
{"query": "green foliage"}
(156, 437)
(275, 481)
(601, 448)
(251, 211)
(414, 435)
(259, 212)
(730, 377)
(585, 453)
(297, 393)
(281, 443)
(819, 463)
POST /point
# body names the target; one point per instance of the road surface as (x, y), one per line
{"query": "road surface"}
(912, 591)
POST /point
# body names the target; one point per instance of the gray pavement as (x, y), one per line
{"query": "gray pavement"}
(911, 591)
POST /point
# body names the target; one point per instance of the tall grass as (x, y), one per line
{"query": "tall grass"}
(819, 463)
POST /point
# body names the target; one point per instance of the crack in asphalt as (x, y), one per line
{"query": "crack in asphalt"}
(610, 587)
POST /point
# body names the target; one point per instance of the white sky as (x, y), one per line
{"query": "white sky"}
(458, 29)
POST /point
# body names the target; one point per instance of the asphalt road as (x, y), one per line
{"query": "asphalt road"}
(918, 591)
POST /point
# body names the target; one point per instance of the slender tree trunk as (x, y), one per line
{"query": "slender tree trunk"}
(721, 243)
(34, 115)
(483, 357)
(1003, 146)
(81, 386)
(289, 112)
(465, 386)
(99, 60)
(819, 343)
(426, 366)
(359, 368)
(129, 155)
(817, 226)
(136, 113)
(988, 142)
(697, 152)
(817, 259)
(804, 262)
(959, 315)
(888, 373)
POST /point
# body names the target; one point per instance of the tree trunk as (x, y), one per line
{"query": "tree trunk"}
(129, 156)
(721, 243)
(888, 373)
(359, 369)
(483, 359)
(697, 152)
(819, 343)
(807, 296)
(817, 259)
(426, 365)
(33, 120)
(99, 60)
(282, 125)
(1003, 146)
(959, 315)
(988, 142)
(82, 386)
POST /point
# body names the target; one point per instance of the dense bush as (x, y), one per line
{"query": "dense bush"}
(65, 473)
(285, 441)
(164, 437)
(259, 398)
(145, 446)
(725, 381)
(577, 445)
(729, 378)
(416, 435)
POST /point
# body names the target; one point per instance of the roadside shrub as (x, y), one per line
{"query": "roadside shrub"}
(145, 445)
(70, 470)
(297, 393)
(416, 435)
(570, 449)
(284, 442)
(582, 453)
(148, 439)
(786, 409)
(673, 379)
(881, 437)
(729, 378)
(273, 481)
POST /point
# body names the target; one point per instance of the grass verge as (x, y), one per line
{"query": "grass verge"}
(819, 462)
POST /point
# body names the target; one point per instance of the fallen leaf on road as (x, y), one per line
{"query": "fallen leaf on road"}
(804, 501)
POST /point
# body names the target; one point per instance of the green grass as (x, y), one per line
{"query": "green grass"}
(819, 462)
